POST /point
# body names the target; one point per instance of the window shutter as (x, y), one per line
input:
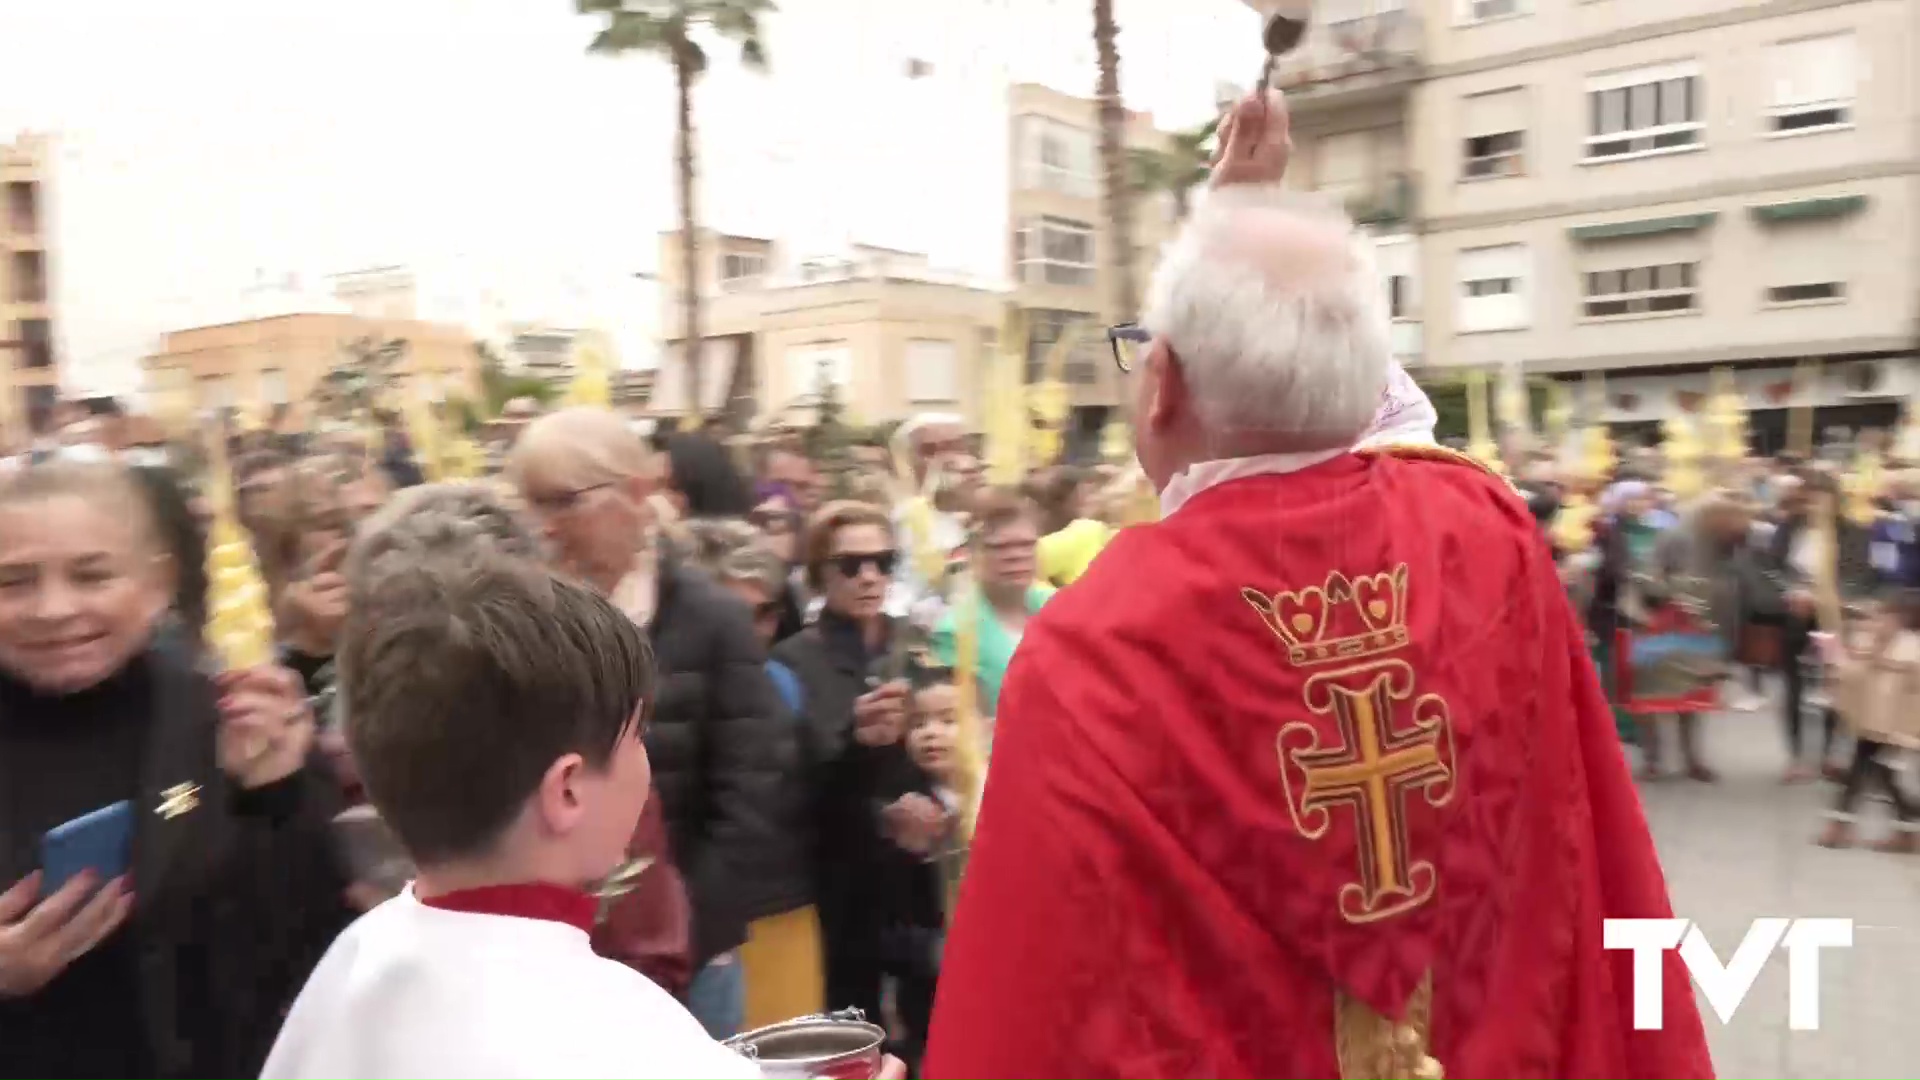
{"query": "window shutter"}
(1342, 162)
(1813, 70)
(1495, 113)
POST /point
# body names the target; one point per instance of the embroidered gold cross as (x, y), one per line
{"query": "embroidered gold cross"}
(1372, 769)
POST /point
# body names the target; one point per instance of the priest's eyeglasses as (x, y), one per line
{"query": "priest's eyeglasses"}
(1126, 339)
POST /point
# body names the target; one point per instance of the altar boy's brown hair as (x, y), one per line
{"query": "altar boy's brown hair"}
(464, 675)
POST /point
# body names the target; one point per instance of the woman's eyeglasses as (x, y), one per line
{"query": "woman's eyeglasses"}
(1125, 338)
(852, 563)
(559, 502)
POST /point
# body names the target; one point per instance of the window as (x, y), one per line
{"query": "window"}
(29, 277)
(933, 375)
(1808, 293)
(1495, 127)
(810, 367)
(36, 342)
(1644, 111)
(1493, 288)
(23, 207)
(1642, 290)
(1813, 83)
(216, 391)
(1056, 251)
(1473, 11)
(1399, 296)
(1046, 327)
(273, 386)
(741, 266)
(1057, 157)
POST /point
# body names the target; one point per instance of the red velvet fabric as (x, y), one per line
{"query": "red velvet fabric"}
(1158, 887)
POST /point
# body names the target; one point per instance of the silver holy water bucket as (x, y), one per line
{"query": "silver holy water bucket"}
(835, 1046)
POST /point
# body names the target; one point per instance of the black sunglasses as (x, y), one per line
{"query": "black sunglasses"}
(766, 610)
(1125, 338)
(852, 563)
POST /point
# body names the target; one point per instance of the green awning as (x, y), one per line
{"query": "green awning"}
(1621, 230)
(1810, 209)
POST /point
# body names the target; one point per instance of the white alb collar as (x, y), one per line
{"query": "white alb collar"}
(1208, 474)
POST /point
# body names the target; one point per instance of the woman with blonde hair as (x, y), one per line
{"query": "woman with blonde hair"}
(723, 752)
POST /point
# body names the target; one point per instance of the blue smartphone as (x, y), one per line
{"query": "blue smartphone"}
(101, 841)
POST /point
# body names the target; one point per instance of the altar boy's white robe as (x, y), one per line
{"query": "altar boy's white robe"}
(458, 987)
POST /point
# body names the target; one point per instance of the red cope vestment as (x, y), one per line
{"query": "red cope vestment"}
(1316, 740)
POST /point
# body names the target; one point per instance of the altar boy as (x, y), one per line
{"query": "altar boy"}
(495, 713)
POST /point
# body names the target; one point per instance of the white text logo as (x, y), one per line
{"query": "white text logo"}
(1726, 985)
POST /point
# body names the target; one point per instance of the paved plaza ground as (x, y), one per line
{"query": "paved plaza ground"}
(1742, 849)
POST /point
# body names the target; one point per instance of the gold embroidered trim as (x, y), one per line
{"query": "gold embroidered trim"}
(1424, 452)
(1372, 1047)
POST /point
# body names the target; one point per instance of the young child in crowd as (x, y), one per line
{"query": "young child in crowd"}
(495, 712)
(933, 728)
(1877, 681)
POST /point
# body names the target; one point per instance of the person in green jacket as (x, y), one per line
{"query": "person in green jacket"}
(1006, 532)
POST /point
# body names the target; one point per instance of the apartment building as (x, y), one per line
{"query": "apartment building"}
(1653, 188)
(28, 356)
(893, 334)
(1352, 86)
(1057, 259)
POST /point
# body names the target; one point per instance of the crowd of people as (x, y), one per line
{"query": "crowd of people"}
(1745, 562)
(640, 742)
(804, 648)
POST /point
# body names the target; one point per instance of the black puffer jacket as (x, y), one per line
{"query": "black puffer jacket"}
(724, 752)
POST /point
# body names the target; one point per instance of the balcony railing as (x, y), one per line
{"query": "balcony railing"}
(1391, 203)
(1352, 54)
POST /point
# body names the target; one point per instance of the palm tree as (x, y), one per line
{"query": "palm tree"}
(1113, 161)
(667, 28)
(1176, 170)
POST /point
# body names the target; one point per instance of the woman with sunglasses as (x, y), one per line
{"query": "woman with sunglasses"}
(873, 811)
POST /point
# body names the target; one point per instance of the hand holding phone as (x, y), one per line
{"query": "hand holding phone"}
(38, 941)
(100, 842)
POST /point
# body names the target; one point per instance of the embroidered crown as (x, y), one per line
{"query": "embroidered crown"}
(1344, 619)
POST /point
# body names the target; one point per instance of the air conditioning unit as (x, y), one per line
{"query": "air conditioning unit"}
(1493, 9)
(1865, 378)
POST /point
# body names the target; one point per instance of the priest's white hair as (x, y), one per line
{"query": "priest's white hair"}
(1275, 309)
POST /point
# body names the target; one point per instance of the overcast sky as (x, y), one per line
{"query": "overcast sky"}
(205, 142)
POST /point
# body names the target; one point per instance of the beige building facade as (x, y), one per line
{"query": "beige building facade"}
(1651, 188)
(1352, 88)
(894, 335)
(1060, 239)
(28, 349)
(280, 360)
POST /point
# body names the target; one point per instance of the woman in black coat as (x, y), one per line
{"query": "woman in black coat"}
(721, 741)
(874, 818)
(183, 962)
